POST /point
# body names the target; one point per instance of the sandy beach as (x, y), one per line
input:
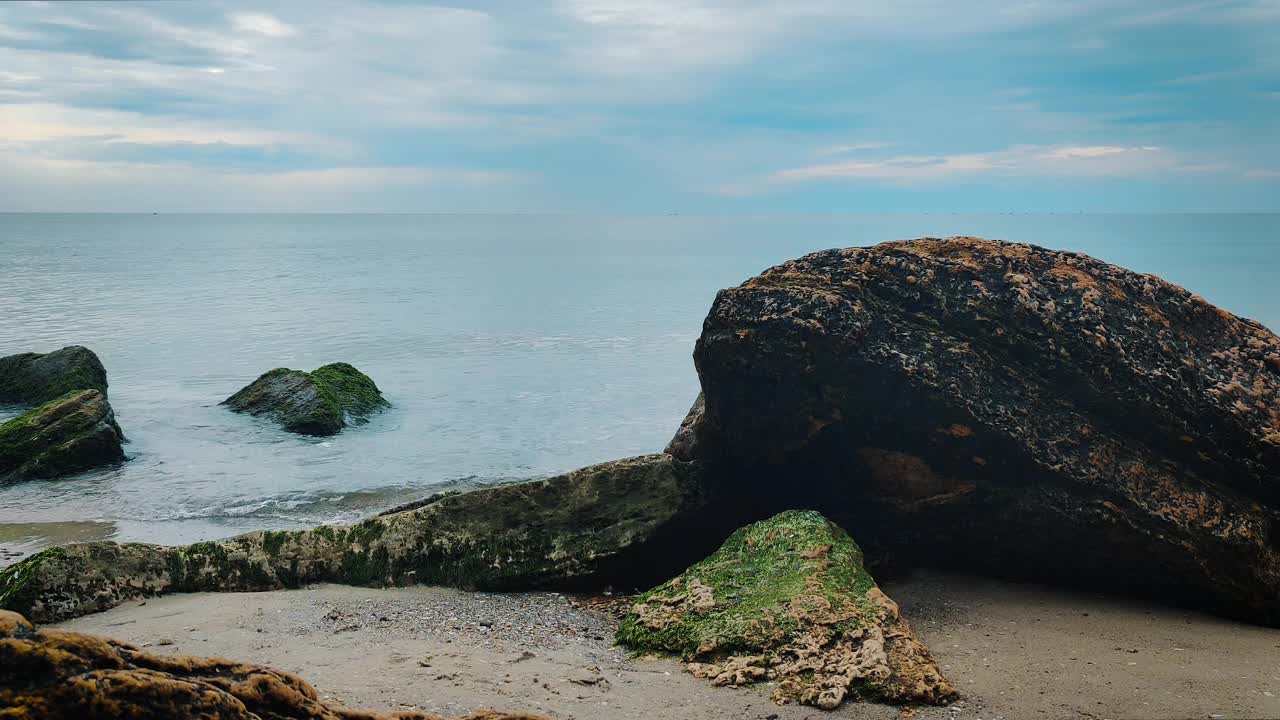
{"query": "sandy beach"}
(1015, 651)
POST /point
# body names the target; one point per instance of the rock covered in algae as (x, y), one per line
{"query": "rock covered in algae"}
(66, 435)
(320, 402)
(633, 520)
(53, 674)
(37, 378)
(1009, 409)
(787, 600)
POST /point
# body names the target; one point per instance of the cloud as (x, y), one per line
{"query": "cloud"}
(627, 101)
(1093, 151)
(648, 37)
(1031, 160)
(30, 183)
(846, 149)
(347, 178)
(42, 122)
(262, 24)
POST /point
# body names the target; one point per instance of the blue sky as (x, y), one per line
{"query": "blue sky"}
(719, 106)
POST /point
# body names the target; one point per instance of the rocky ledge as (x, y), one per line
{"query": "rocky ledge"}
(35, 378)
(788, 600)
(75, 432)
(48, 674)
(320, 402)
(1005, 408)
(635, 521)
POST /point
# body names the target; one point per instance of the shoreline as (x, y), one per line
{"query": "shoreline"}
(1013, 650)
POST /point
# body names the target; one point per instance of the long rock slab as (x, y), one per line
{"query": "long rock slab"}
(634, 520)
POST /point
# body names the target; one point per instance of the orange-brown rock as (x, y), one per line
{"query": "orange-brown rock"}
(54, 674)
(1007, 408)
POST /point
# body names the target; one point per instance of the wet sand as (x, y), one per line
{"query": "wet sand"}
(1014, 651)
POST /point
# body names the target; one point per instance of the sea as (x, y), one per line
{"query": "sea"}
(510, 346)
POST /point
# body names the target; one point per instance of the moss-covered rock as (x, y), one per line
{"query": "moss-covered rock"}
(47, 674)
(634, 520)
(787, 600)
(35, 378)
(75, 432)
(320, 402)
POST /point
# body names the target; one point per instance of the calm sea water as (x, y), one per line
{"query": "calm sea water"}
(511, 346)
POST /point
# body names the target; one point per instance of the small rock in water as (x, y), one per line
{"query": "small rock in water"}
(320, 402)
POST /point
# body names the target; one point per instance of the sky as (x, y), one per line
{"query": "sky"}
(648, 106)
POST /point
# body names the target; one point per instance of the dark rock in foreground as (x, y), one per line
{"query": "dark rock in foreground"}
(49, 674)
(35, 378)
(632, 521)
(969, 403)
(75, 432)
(787, 600)
(321, 402)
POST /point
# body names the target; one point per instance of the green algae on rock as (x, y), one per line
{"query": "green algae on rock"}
(74, 432)
(37, 378)
(47, 674)
(320, 402)
(787, 600)
(72, 429)
(590, 527)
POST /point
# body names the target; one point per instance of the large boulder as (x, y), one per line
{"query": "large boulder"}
(1004, 407)
(630, 521)
(75, 432)
(35, 378)
(320, 402)
(49, 674)
(787, 600)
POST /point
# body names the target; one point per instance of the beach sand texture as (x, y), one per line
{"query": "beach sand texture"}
(1014, 651)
